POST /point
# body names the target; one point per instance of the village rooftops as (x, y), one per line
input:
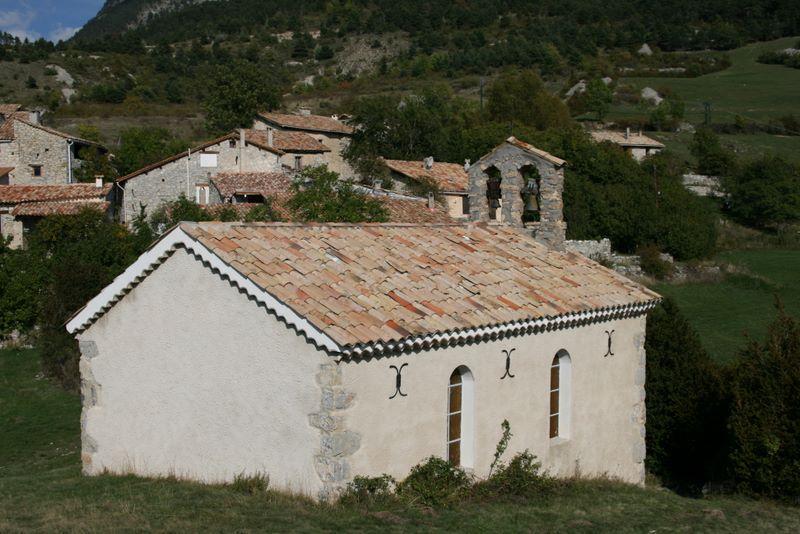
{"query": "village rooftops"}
(293, 142)
(626, 139)
(278, 187)
(363, 289)
(7, 130)
(449, 177)
(17, 194)
(72, 207)
(307, 122)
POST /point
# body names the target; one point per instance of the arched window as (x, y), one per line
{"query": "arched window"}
(460, 410)
(560, 395)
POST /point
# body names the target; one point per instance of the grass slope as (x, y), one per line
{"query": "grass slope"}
(41, 489)
(747, 88)
(724, 313)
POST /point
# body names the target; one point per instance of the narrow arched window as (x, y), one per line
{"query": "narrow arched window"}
(460, 409)
(560, 394)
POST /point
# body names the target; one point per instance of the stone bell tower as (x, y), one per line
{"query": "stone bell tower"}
(520, 185)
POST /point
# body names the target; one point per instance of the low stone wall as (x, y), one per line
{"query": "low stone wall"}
(596, 250)
(702, 185)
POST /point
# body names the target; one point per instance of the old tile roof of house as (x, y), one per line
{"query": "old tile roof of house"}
(17, 194)
(287, 141)
(263, 183)
(312, 123)
(7, 129)
(450, 177)
(633, 140)
(6, 109)
(278, 186)
(198, 148)
(360, 289)
(44, 209)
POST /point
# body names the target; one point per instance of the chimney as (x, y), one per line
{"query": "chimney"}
(376, 184)
(627, 132)
(304, 112)
(98, 181)
(270, 137)
(466, 164)
(640, 131)
(428, 163)
(241, 149)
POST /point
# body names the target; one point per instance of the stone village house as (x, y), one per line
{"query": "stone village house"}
(33, 154)
(329, 131)
(638, 145)
(22, 206)
(191, 173)
(450, 179)
(316, 352)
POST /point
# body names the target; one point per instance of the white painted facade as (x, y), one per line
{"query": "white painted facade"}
(190, 375)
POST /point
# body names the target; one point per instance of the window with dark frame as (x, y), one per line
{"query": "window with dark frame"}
(555, 370)
(37, 170)
(454, 395)
(298, 162)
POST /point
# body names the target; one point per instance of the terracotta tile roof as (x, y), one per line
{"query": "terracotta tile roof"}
(450, 177)
(7, 129)
(536, 151)
(43, 209)
(278, 186)
(263, 183)
(286, 141)
(16, 194)
(383, 283)
(198, 148)
(312, 123)
(629, 140)
(6, 109)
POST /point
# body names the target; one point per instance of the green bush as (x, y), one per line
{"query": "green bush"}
(765, 193)
(319, 195)
(651, 262)
(765, 414)
(368, 490)
(434, 482)
(519, 478)
(686, 404)
(712, 158)
(251, 484)
(263, 212)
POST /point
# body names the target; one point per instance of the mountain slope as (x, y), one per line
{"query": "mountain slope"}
(118, 16)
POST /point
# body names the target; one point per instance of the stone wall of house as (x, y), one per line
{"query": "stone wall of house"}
(594, 249)
(185, 175)
(604, 416)
(188, 377)
(306, 160)
(33, 146)
(508, 160)
(10, 227)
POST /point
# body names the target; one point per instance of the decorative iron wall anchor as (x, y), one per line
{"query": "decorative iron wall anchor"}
(608, 351)
(508, 364)
(398, 381)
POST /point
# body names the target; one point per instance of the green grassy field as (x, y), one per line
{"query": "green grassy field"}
(747, 88)
(41, 489)
(723, 313)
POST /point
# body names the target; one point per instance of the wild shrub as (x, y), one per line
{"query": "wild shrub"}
(519, 478)
(369, 490)
(251, 484)
(263, 212)
(651, 262)
(765, 414)
(434, 482)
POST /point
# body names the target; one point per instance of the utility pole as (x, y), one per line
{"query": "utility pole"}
(707, 113)
(483, 81)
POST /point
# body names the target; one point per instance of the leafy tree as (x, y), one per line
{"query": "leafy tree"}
(320, 196)
(765, 192)
(520, 98)
(686, 403)
(145, 145)
(598, 98)
(712, 158)
(236, 93)
(765, 416)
